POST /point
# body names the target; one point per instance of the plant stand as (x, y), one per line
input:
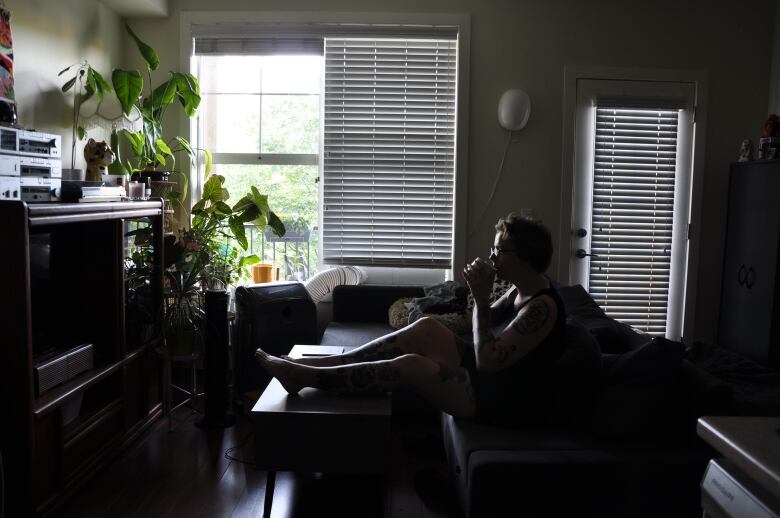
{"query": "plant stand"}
(192, 396)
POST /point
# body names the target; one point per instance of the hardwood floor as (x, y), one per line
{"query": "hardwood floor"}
(185, 472)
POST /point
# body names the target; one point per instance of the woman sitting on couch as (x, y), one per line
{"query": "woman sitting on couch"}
(498, 378)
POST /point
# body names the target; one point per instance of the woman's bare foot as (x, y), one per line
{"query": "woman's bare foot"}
(283, 370)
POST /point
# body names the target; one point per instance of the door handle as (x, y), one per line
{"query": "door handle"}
(582, 254)
(581, 232)
(750, 278)
(741, 275)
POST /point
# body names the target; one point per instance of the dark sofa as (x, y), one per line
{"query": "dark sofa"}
(623, 440)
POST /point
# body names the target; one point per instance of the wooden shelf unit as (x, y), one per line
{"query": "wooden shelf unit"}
(53, 442)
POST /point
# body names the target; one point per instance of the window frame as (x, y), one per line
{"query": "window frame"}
(462, 21)
(569, 175)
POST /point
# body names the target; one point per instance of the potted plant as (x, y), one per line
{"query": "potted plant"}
(153, 155)
(90, 83)
(203, 256)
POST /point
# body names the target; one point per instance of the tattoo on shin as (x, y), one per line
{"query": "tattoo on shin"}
(369, 377)
(532, 319)
(379, 351)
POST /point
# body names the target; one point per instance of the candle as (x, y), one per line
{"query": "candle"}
(135, 190)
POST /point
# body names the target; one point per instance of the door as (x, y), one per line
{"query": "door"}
(631, 199)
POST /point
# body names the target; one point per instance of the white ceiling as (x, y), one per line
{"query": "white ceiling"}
(138, 8)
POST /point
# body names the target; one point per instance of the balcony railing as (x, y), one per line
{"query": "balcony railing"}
(294, 256)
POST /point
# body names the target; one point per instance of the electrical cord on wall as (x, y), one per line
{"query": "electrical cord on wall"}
(495, 185)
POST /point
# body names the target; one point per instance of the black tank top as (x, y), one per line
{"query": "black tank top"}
(523, 392)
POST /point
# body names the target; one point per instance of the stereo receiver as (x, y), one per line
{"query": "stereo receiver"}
(17, 141)
(29, 179)
(30, 165)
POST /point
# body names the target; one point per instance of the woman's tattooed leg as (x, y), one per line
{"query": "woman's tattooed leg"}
(447, 388)
(383, 348)
(425, 337)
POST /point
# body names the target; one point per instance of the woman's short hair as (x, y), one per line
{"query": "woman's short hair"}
(529, 237)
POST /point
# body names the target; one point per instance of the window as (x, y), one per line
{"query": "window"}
(631, 200)
(389, 151)
(260, 117)
(368, 110)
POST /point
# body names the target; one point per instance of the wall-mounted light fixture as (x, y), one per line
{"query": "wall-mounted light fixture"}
(514, 108)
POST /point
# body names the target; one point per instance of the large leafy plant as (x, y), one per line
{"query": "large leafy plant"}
(85, 83)
(151, 150)
(207, 251)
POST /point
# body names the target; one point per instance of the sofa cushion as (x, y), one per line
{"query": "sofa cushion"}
(637, 397)
(352, 334)
(497, 469)
(576, 373)
(612, 336)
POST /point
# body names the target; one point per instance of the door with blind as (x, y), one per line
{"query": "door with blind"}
(631, 199)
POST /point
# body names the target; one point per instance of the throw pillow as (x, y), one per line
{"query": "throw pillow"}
(616, 337)
(398, 313)
(638, 392)
(398, 317)
(613, 337)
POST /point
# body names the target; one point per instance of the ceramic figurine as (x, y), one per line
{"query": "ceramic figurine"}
(98, 156)
(746, 151)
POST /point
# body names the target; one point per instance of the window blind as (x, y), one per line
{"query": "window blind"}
(258, 46)
(633, 205)
(389, 146)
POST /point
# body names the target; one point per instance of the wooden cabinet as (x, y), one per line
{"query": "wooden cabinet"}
(750, 296)
(65, 285)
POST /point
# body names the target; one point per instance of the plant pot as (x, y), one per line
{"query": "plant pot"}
(182, 328)
(181, 341)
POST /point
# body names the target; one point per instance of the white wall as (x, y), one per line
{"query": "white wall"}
(515, 43)
(49, 35)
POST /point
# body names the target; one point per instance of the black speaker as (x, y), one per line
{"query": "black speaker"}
(215, 362)
(274, 317)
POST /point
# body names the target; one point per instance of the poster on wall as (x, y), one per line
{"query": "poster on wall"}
(7, 98)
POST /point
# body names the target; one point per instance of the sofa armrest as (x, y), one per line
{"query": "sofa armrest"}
(368, 302)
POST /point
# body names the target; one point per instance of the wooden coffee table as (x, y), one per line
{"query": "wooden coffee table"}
(319, 431)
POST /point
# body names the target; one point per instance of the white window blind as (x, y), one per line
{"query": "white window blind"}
(389, 151)
(632, 216)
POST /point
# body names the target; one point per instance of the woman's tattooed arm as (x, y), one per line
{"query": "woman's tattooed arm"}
(527, 330)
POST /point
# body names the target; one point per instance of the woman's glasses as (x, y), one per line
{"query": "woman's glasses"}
(497, 250)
